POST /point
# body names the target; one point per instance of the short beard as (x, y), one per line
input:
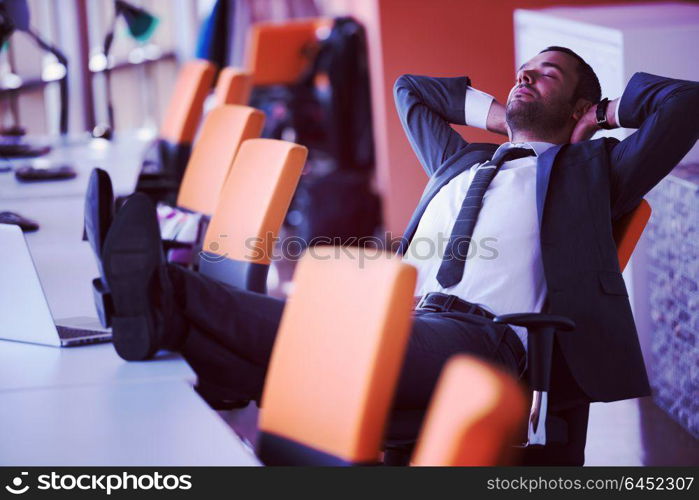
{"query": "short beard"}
(542, 119)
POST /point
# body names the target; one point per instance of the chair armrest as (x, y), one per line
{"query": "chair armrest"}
(540, 330)
(536, 320)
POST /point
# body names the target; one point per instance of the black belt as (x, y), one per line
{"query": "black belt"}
(441, 302)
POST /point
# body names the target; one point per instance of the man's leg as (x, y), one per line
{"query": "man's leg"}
(230, 335)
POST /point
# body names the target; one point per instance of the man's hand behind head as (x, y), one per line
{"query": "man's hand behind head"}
(586, 126)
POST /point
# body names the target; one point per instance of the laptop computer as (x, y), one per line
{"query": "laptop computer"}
(25, 315)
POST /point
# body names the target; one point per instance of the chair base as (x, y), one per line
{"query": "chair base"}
(276, 450)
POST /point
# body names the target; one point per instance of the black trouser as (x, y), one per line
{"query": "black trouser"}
(231, 333)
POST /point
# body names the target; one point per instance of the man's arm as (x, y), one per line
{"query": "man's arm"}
(665, 113)
(426, 106)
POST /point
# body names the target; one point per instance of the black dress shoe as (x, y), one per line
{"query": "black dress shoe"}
(99, 212)
(99, 209)
(132, 259)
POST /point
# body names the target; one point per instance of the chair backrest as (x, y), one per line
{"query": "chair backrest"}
(628, 230)
(278, 53)
(186, 103)
(475, 414)
(223, 131)
(232, 87)
(336, 358)
(251, 207)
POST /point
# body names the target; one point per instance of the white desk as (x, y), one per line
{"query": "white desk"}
(121, 158)
(155, 424)
(85, 405)
(28, 366)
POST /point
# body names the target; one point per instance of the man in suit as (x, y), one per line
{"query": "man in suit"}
(544, 203)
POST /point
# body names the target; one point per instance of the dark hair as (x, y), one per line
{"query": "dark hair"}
(588, 83)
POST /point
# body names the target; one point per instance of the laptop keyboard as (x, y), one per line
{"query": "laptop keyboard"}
(67, 333)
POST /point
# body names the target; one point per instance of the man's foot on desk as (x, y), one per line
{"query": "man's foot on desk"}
(99, 210)
(133, 263)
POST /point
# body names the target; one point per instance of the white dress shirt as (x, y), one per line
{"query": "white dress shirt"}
(503, 272)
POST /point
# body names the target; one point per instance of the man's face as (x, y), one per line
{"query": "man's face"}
(540, 100)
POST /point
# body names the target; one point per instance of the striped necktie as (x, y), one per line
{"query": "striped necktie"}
(452, 268)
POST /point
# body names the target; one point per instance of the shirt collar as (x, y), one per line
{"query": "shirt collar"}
(538, 147)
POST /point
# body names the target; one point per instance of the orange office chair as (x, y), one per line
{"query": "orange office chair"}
(541, 327)
(182, 115)
(336, 359)
(278, 53)
(474, 418)
(224, 129)
(232, 87)
(161, 176)
(251, 207)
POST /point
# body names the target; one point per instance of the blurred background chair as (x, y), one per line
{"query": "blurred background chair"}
(233, 86)
(224, 129)
(164, 169)
(279, 53)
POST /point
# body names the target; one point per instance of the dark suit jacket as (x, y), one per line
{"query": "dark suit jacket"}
(581, 189)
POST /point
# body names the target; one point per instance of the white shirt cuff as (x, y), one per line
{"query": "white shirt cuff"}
(476, 107)
(616, 112)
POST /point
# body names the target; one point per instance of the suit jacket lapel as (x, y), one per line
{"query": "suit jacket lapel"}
(544, 165)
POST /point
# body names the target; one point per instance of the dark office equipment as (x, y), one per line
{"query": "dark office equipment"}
(339, 206)
(18, 147)
(36, 174)
(26, 225)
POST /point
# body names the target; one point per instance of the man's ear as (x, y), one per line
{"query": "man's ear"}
(581, 107)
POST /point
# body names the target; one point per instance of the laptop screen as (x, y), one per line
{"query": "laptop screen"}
(24, 312)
